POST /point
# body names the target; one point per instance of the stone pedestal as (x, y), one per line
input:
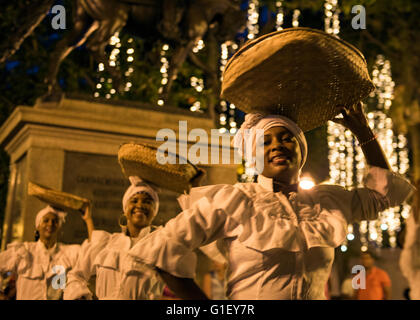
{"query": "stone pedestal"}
(72, 146)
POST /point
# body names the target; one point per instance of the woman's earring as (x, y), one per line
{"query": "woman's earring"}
(37, 235)
(122, 221)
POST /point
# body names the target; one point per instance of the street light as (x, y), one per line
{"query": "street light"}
(306, 183)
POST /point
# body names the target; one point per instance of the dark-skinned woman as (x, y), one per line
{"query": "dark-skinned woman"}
(118, 276)
(278, 240)
(41, 265)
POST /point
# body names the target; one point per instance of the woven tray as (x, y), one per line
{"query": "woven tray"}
(58, 199)
(300, 73)
(140, 160)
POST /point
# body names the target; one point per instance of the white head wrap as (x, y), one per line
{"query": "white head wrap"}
(137, 186)
(254, 121)
(48, 209)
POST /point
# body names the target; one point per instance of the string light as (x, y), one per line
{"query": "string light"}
(295, 20)
(223, 57)
(227, 48)
(346, 157)
(253, 30)
(395, 148)
(163, 70)
(331, 20)
(130, 59)
(279, 15)
(227, 111)
(196, 106)
(199, 45)
(253, 15)
(113, 61)
(115, 43)
(197, 83)
(382, 79)
(363, 229)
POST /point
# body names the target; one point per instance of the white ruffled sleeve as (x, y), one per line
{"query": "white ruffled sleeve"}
(410, 255)
(383, 189)
(78, 277)
(72, 252)
(208, 213)
(15, 258)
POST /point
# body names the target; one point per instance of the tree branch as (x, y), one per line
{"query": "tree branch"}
(34, 13)
(370, 37)
(198, 63)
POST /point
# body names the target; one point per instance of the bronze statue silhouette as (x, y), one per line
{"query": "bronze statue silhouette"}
(182, 22)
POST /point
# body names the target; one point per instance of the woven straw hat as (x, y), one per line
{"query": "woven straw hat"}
(58, 199)
(301, 73)
(141, 160)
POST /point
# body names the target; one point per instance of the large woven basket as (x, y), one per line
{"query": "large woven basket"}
(58, 199)
(300, 73)
(141, 160)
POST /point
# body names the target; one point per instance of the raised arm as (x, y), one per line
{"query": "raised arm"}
(87, 217)
(383, 188)
(209, 211)
(170, 250)
(78, 277)
(355, 120)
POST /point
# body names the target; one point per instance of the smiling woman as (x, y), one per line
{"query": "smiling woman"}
(278, 239)
(35, 263)
(285, 147)
(140, 205)
(140, 212)
(118, 275)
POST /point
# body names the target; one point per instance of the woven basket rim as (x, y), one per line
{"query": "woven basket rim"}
(252, 43)
(140, 159)
(57, 202)
(67, 194)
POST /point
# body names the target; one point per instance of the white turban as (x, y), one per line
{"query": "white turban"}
(254, 121)
(137, 186)
(48, 209)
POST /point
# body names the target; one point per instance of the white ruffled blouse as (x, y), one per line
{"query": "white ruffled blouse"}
(34, 265)
(118, 276)
(277, 247)
(410, 257)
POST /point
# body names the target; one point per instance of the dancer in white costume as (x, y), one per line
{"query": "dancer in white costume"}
(40, 264)
(278, 240)
(410, 255)
(118, 276)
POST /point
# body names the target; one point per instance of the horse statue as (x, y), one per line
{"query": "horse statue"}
(180, 22)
